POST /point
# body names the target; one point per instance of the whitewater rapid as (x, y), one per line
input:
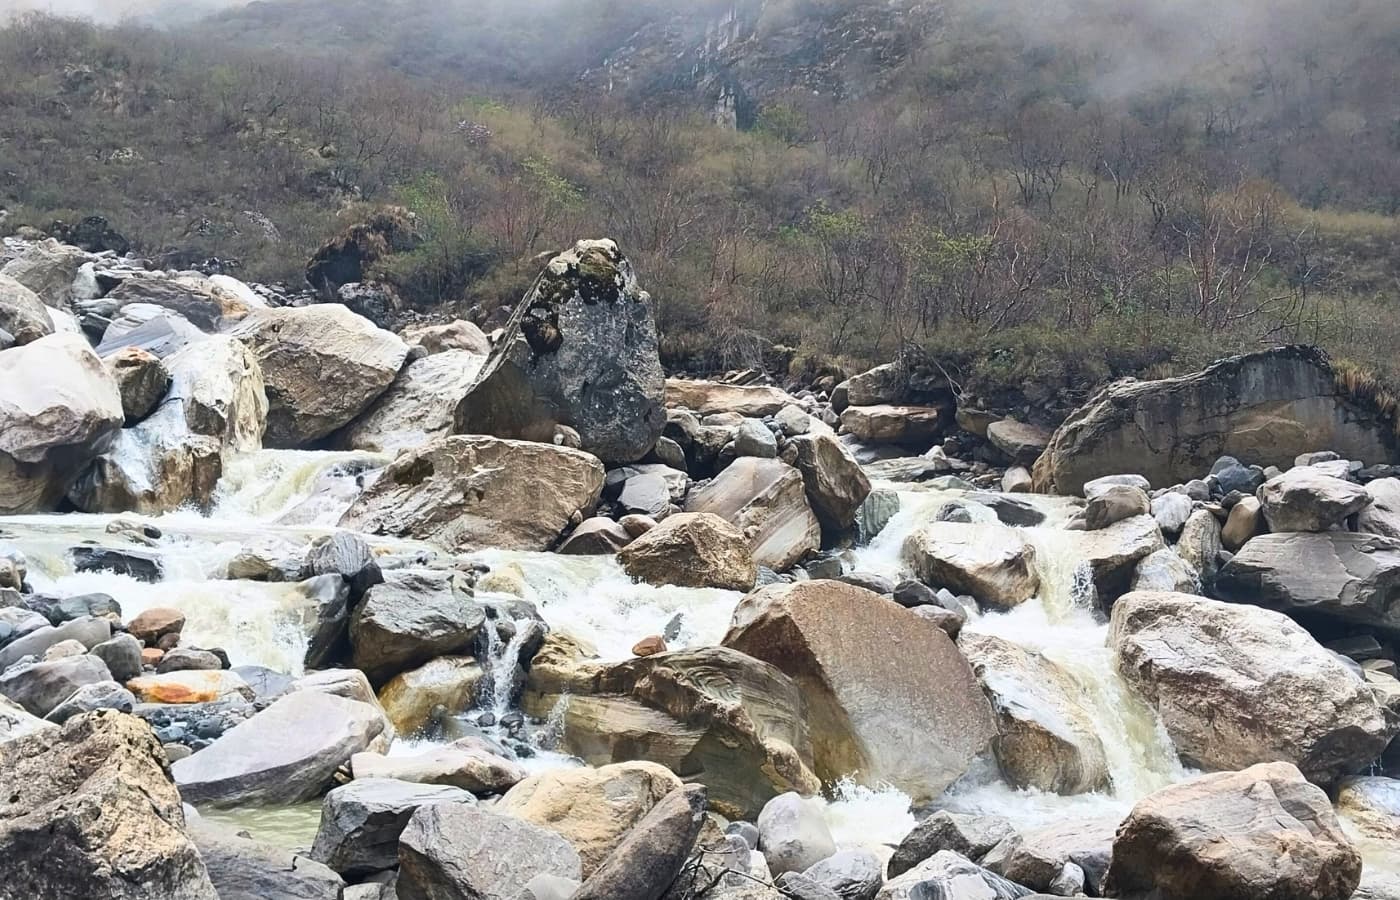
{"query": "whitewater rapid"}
(274, 500)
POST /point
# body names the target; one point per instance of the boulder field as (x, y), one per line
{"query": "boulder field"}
(434, 612)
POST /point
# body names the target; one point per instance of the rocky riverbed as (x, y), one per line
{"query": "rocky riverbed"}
(292, 605)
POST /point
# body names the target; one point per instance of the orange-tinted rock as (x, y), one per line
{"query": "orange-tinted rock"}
(189, 686)
(151, 656)
(650, 646)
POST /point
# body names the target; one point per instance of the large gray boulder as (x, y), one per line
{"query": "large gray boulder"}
(967, 835)
(946, 874)
(1038, 857)
(17, 722)
(22, 313)
(1237, 685)
(1346, 576)
(40, 687)
(838, 642)
(793, 834)
(1046, 739)
(453, 850)
(287, 753)
(767, 500)
(59, 409)
(414, 616)
(48, 268)
(467, 493)
(1279, 836)
(244, 869)
(580, 350)
(90, 811)
(1382, 517)
(1307, 499)
(361, 821)
(418, 407)
(1265, 407)
(304, 352)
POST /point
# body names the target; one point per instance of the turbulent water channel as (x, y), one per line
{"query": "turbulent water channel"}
(291, 497)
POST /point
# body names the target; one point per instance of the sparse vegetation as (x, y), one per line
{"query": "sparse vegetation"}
(992, 202)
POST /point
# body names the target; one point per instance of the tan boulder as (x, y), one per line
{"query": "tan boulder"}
(888, 424)
(301, 351)
(48, 268)
(150, 625)
(1243, 523)
(1266, 407)
(465, 493)
(596, 536)
(1045, 738)
(1113, 553)
(692, 550)
(448, 681)
(1371, 804)
(463, 764)
(993, 563)
(1237, 685)
(418, 407)
(767, 501)
(719, 717)
(709, 397)
(1260, 834)
(90, 811)
(1020, 441)
(59, 409)
(454, 335)
(873, 711)
(593, 809)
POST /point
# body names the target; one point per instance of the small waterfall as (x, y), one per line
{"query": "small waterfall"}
(502, 663)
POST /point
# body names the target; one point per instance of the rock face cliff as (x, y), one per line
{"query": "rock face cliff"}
(733, 55)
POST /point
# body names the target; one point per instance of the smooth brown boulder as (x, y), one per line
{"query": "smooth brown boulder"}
(651, 856)
(889, 695)
(1308, 499)
(1045, 738)
(149, 626)
(692, 550)
(467, 493)
(142, 380)
(887, 424)
(1260, 834)
(836, 484)
(90, 811)
(59, 410)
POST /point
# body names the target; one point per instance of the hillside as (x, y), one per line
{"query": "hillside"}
(839, 177)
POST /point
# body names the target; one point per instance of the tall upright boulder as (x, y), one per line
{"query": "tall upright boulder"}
(767, 501)
(1266, 408)
(322, 366)
(888, 693)
(580, 350)
(59, 409)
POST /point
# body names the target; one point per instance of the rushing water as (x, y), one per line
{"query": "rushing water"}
(283, 499)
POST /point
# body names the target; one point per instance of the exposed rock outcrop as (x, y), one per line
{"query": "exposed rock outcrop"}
(581, 351)
(1265, 407)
